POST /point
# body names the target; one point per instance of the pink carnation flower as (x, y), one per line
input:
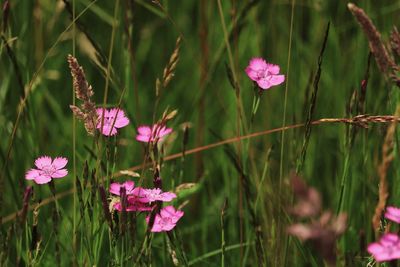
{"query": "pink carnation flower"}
(47, 169)
(150, 134)
(265, 74)
(132, 205)
(113, 119)
(115, 188)
(166, 220)
(151, 195)
(388, 248)
(393, 214)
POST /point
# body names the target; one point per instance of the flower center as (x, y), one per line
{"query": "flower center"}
(108, 120)
(165, 221)
(263, 74)
(152, 194)
(48, 170)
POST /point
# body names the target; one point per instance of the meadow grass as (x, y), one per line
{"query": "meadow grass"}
(232, 153)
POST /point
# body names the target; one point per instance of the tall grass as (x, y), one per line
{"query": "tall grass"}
(231, 154)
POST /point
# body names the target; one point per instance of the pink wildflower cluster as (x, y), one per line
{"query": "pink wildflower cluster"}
(388, 247)
(137, 198)
(142, 199)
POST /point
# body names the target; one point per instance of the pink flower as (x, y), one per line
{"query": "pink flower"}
(133, 205)
(151, 195)
(166, 220)
(115, 188)
(156, 132)
(113, 119)
(47, 169)
(393, 214)
(265, 74)
(388, 248)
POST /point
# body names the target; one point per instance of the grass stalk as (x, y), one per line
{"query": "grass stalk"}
(74, 226)
(279, 225)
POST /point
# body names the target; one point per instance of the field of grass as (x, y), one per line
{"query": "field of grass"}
(230, 163)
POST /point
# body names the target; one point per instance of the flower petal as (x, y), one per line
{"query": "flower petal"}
(42, 162)
(143, 138)
(108, 131)
(60, 173)
(253, 74)
(121, 120)
(167, 196)
(144, 130)
(129, 185)
(168, 227)
(59, 162)
(32, 174)
(393, 214)
(164, 131)
(258, 64)
(264, 84)
(43, 179)
(273, 69)
(375, 248)
(277, 79)
(99, 112)
(114, 188)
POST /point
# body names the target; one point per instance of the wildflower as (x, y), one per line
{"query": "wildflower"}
(323, 228)
(47, 169)
(322, 233)
(388, 248)
(150, 134)
(115, 188)
(113, 119)
(151, 195)
(166, 220)
(265, 74)
(393, 214)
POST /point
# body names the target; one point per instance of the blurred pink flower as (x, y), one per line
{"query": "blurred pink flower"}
(150, 195)
(133, 205)
(156, 132)
(47, 169)
(265, 74)
(166, 220)
(393, 214)
(115, 188)
(388, 248)
(113, 119)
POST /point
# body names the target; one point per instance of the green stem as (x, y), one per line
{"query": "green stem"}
(283, 134)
